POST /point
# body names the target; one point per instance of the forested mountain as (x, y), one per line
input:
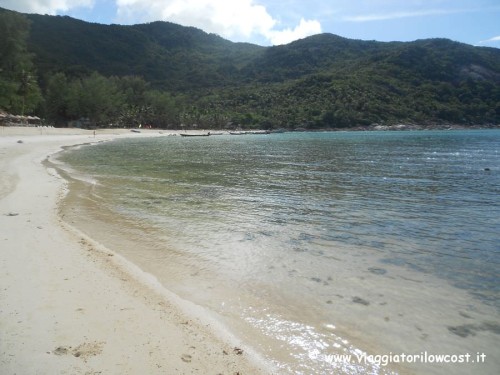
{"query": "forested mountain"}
(167, 75)
(167, 55)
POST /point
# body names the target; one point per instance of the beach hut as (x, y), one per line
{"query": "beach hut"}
(33, 120)
(8, 119)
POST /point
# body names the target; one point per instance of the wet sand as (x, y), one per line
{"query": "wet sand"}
(70, 305)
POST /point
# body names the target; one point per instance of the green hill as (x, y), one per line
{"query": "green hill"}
(167, 75)
(167, 55)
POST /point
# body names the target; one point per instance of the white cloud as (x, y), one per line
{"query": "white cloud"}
(238, 20)
(396, 15)
(415, 9)
(45, 6)
(305, 28)
(491, 40)
(241, 20)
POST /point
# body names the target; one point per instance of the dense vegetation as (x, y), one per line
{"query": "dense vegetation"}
(19, 91)
(168, 75)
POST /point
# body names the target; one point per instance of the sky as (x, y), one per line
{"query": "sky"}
(274, 22)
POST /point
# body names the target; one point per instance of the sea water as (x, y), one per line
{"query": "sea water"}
(344, 252)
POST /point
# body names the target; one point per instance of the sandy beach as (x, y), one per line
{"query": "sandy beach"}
(70, 306)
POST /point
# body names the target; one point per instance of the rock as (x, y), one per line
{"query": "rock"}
(361, 301)
(463, 330)
(377, 271)
(238, 351)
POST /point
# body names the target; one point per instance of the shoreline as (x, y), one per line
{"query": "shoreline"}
(355, 331)
(148, 286)
(70, 305)
(45, 130)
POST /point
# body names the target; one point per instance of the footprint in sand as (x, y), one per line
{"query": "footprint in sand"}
(84, 351)
(186, 358)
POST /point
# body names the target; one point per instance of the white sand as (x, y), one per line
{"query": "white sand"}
(70, 306)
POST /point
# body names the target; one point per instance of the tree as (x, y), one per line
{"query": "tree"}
(96, 98)
(57, 99)
(164, 109)
(19, 91)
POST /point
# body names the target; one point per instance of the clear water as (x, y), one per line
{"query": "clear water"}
(314, 244)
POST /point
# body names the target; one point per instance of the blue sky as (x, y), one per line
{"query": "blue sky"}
(268, 22)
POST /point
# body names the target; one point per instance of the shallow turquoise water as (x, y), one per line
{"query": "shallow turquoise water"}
(291, 217)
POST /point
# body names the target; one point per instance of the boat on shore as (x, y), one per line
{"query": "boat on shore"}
(255, 132)
(195, 135)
